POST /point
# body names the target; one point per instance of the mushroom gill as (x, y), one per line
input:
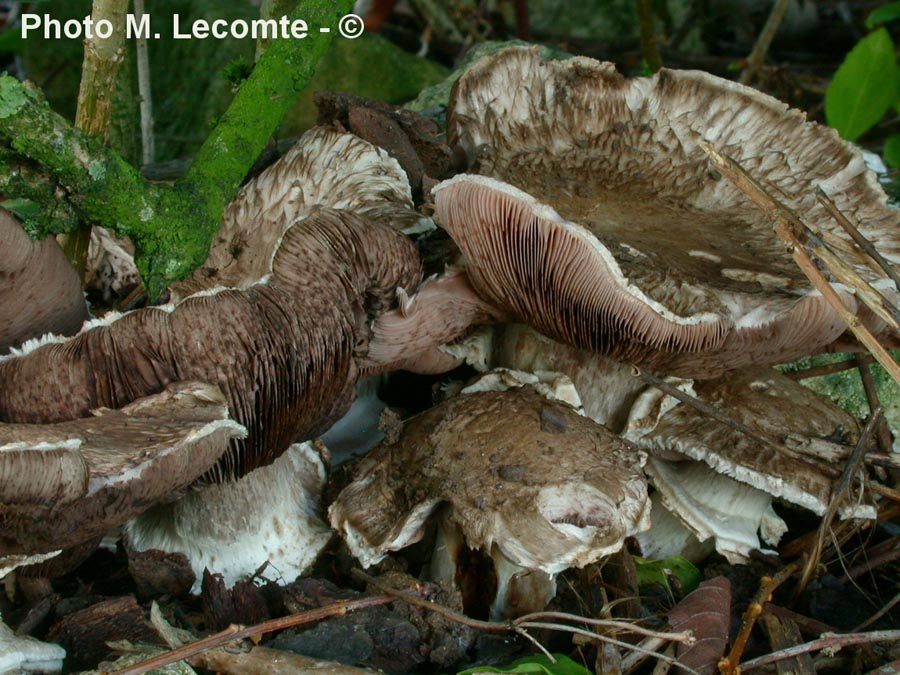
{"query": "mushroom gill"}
(282, 350)
(66, 483)
(598, 220)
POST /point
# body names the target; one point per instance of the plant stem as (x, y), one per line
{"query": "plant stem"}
(649, 46)
(148, 150)
(830, 642)
(766, 35)
(102, 58)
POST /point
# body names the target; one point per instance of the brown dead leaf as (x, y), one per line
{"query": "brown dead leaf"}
(707, 614)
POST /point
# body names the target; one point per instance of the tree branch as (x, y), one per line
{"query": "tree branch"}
(171, 226)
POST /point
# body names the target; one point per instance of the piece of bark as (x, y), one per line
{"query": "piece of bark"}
(264, 661)
(424, 134)
(223, 606)
(84, 633)
(784, 633)
(706, 612)
(620, 578)
(380, 129)
(160, 573)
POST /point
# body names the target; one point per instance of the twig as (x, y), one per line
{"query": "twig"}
(102, 58)
(766, 35)
(525, 634)
(884, 490)
(831, 643)
(528, 621)
(785, 222)
(883, 435)
(633, 659)
(730, 665)
(877, 615)
(430, 606)
(148, 149)
(820, 371)
(857, 236)
(234, 632)
(612, 624)
(649, 47)
(890, 554)
(522, 29)
(850, 470)
(605, 638)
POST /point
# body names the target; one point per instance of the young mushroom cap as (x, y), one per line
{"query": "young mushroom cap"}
(325, 168)
(549, 488)
(39, 290)
(283, 351)
(598, 220)
(66, 483)
(814, 436)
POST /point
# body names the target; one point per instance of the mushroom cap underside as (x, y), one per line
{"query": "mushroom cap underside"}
(282, 351)
(66, 483)
(610, 171)
(549, 487)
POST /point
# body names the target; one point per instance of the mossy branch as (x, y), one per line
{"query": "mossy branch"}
(171, 226)
(26, 181)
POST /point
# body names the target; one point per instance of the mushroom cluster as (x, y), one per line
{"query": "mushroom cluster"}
(592, 235)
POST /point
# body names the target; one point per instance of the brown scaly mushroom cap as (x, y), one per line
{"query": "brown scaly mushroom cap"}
(324, 168)
(551, 489)
(39, 290)
(282, 351)
(817, 433)
(66, 483)
(598, 221)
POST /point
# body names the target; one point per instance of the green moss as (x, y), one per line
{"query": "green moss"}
(369, 66)
(12, 96)
(846, 389)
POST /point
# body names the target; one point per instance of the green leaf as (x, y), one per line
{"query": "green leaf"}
(538, 664)
(884, 14)
(864, 87)
(892, 150)
(658, 571)
(24, 208)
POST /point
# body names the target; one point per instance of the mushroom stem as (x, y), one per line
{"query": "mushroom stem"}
(23, 653)
(440, 311)
(270, 515)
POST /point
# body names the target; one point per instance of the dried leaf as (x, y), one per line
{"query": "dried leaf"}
(707, 614)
